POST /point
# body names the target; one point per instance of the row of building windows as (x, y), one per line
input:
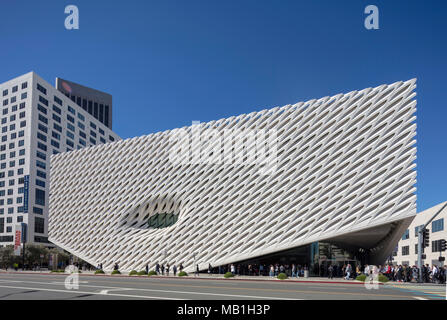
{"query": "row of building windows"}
(70, 134)
(39, 224)
(11, 191)
(12, 164)
(99, 111)
(11, 182)
(435, 247)
(12, 154)
(11, 210)
(10, 201)
(13, 117)
(436, 226)
(36, 210)
(23, 96)
(10, 174)
(13, 109)
(70, 119)
(15, 89)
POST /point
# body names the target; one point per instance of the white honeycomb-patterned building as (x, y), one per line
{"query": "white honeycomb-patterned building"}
(275, 184)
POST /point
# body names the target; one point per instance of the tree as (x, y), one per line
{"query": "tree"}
(7, 258)
(33, 253)
(61, 257)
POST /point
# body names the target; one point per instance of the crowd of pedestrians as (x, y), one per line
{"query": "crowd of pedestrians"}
(399, 273)
(405, 273)
(165, 270)
(271, 270)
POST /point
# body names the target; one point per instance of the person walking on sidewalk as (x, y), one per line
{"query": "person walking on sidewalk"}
(434, 274)
(174, 269)
(348, 271)
(210, 268)
(196, 274)
(331, 271)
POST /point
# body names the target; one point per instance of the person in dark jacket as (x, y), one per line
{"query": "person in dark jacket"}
(174, 269)
(210, 269)
(399, 273)
(331, 271)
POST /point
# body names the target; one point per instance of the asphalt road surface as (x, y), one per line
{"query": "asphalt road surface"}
(20, 286)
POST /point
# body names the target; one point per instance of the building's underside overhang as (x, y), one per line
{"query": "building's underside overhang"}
(375, 244)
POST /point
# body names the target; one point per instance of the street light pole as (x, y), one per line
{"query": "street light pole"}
(420, 233)
(23, 256)
(24, 230)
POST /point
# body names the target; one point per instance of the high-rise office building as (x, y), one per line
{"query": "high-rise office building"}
(95, 102)
(37, 120)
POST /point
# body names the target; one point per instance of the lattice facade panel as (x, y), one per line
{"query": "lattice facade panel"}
(335, 165)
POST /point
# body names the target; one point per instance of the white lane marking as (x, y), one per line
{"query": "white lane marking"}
(420, 298)
(117, 289)
(87, 292)
(167, 291)
(55, 282)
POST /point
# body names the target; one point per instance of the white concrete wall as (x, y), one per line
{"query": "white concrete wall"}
(420, 219)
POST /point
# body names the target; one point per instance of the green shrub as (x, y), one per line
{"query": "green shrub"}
(133, 273)
(116, 272)
(152, 273)
(182, 274)
(99, 272)
(228, 275)
(282, 276)
(361, 277)
(142, 273)
(59, 271)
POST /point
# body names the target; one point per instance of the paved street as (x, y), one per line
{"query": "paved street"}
(51, 286)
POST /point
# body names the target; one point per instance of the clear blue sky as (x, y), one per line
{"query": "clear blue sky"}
(167, 63)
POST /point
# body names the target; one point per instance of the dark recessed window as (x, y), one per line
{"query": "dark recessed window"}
(40, 197)
(39, 225)
(57, 100)
(43, 100)
(41, 89)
